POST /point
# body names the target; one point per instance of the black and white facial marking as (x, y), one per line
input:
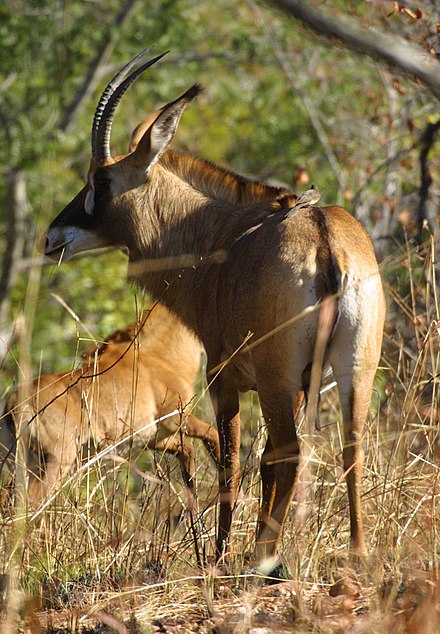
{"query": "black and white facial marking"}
(89, 203)
(75, 229)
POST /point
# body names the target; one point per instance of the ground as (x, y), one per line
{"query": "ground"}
(234, 606)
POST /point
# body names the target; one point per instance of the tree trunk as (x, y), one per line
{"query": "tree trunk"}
(17, 212)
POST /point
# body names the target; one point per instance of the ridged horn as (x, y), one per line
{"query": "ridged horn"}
(115, 89)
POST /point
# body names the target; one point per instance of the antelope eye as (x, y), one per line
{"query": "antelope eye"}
(102, 179)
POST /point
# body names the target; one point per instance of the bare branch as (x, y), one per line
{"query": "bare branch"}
(392, 50)
(427, 141)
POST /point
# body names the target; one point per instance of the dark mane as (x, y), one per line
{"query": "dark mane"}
(221, 184)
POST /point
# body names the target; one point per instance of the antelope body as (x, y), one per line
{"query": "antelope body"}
(243, 268)
(135, 379)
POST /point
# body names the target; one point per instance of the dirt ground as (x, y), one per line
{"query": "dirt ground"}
(345, 606)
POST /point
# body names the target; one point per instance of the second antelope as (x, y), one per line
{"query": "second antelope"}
(244, 268)
(141, 373)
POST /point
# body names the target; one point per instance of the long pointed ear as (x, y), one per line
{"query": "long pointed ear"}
(159, 131)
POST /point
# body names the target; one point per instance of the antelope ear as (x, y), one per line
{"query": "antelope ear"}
(160, 133)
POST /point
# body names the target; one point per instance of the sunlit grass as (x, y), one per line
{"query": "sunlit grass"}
(118, 540)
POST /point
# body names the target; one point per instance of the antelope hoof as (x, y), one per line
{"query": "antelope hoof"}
(273, 571)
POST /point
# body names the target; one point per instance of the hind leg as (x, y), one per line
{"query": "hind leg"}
(268, 473)
(355, 395)
(354, 356)
(279, 466)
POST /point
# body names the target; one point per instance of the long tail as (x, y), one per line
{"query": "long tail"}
(328, 318)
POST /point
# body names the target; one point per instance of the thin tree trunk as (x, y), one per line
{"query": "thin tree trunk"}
(17, 213)
(427, 141)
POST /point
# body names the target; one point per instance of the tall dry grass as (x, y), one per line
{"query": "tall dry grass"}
(117, 543)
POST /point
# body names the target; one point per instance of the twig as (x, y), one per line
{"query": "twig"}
(394, 50)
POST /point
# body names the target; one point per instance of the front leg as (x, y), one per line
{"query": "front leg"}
(224, 396)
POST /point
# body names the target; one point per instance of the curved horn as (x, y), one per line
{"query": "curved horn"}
(108, 91)
(115, 89)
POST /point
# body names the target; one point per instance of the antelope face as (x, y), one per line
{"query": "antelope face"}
(99, 216)
(75, 229)
(104, 213)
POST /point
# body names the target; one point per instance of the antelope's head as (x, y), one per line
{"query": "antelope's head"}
(98, 215)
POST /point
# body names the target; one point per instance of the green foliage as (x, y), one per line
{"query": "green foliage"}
(253, 117)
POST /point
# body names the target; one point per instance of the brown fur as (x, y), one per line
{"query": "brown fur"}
(143, 372)
(225, 186)
(244, 270)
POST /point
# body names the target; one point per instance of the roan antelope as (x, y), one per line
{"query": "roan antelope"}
(142, 372)
(244, 269)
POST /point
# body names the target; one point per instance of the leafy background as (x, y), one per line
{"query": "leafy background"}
(279, 104)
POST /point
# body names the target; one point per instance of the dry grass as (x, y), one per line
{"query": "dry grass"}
(115, 549)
